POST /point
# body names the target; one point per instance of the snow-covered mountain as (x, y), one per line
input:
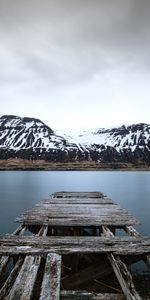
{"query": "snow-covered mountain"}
(31, 138)
(120, 138)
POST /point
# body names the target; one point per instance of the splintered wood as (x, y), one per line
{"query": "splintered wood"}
(72, 248)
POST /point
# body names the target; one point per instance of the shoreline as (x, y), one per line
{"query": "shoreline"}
(41, 165)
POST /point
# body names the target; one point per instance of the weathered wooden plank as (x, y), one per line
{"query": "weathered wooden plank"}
(75, 201)
(76, 209)
(78, 221)
(24, 283)
(3, 263)
(51, 281)
(5, 288)
(75, 295)
(78, 206)
(77, 194)
(66, 206)
(74, 244)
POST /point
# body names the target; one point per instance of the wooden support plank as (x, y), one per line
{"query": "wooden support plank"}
(124, 278)
(5, 288)
(131, 231)
(107, 232)
(20, 230)
(43, 231)
(51, 281)
(123, 275)
(3, 263)
(24, 283)
(80, 295)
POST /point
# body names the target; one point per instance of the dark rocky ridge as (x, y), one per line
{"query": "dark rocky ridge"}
(30, 138)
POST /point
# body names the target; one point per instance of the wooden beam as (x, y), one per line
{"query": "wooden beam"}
(107, 232)
(122, 273)
(3, 263)
(8, 283)
(20, 230)
(43, 231)
(124, 278)
(131, 231)
(51, 280)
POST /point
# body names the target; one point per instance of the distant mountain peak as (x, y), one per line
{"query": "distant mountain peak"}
(32, 139)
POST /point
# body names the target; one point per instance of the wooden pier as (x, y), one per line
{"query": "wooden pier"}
(65, 248)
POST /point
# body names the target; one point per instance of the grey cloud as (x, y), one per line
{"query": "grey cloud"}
(60, 43)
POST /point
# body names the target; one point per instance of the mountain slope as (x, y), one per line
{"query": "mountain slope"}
(123, 137)
(30, 138)
(124, 144)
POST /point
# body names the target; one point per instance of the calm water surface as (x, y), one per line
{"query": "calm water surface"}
(20, 190)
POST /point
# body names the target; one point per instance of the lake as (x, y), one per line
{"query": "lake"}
(20, 190)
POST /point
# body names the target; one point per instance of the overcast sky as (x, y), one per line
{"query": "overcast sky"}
(76, 63)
